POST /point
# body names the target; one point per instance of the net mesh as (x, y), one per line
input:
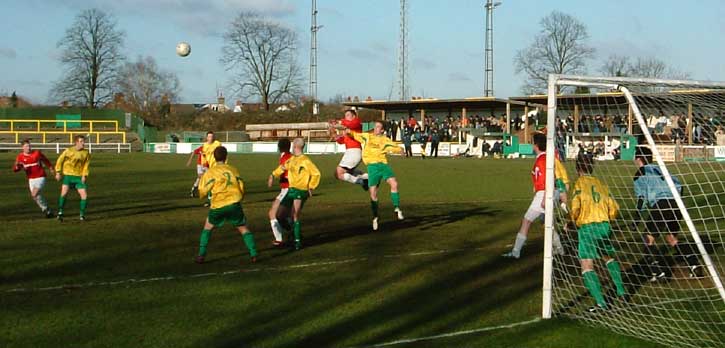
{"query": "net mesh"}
(671, 296)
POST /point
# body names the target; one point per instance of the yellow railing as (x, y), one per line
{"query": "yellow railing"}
(45, 127)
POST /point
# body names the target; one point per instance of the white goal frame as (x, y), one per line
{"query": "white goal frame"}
(611, 83)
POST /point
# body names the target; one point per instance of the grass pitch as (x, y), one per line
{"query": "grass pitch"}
(126, 277)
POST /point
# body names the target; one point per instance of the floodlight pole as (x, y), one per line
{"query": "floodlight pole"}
(314, 28)
(488, 56)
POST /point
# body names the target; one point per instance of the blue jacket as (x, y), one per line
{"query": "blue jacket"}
(650, 185)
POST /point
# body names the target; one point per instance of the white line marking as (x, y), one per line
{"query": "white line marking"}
(452, 334)
(230, 272)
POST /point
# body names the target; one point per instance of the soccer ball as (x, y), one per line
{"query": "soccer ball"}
(183, 49)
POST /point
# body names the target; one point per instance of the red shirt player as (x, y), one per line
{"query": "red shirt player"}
(346, 170)
(34, 164)
(277, 210)
(200, 170)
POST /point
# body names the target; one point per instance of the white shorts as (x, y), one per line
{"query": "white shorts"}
(351, 158)
(36, 183)
(200, 170)
(536, 210)
(282, 193)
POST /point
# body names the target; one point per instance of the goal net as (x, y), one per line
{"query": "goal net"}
(658, 266)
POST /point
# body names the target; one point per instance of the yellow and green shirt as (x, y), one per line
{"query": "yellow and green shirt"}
(301, 173)
(207, 151)
(375, 147)
(225, 185)
(73, 162)
(591, 202)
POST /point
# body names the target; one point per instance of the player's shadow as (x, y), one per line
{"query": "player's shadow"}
(433, 221)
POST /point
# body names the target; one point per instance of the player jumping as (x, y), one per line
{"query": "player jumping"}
(591, 209)
(376, 146)
(72, 166)
(283, 145)
(34, 164)
(347, 169)
(303, 177)
(536, 209)
(227, 192)
(207, 157)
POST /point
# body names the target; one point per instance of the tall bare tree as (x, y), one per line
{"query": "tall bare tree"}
(616, 66)
(91, 54)
(147, 88)
(559, 48)
(263, 56)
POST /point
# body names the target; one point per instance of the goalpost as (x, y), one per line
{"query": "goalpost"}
(675, 294)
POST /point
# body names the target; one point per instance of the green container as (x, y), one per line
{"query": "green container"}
(628, 147)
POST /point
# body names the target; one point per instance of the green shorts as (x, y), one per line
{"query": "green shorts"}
(593, 238)
(74, 182)
(378, 172)
(292, 195)
(232, 213)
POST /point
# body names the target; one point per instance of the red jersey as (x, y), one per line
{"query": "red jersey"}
(33, 162)
(283, 181)
(538, 174)
(199, 154)
(354, 125)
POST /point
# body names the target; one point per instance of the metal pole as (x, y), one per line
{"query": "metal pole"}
(549, 199)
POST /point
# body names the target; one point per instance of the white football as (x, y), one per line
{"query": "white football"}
(183, 49)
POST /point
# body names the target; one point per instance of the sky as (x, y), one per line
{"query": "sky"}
(358, 42)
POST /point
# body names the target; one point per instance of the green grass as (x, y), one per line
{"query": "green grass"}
(437, 272)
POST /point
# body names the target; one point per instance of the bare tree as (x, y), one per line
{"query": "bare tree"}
(91, 54)
(559, 48)
(616, 66)
(263, 56)
(147, 88)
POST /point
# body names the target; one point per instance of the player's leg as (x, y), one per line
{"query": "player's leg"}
(534, 212)
(591, 282)
(374, 205)
(36, 192)
(249, 242)
(604, 243)
(686, 254)
(235, 215)
(297, 227)
(204, 240)
(84, 202)
(274, 223)
(587, 254)
(395, 197)
(345, 170)
(61, 200)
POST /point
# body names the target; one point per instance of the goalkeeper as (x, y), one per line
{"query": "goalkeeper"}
(655, 196)
(591, 208)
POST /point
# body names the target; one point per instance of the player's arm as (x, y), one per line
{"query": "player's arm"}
(240, 183)
(575, 204)
(391, 147)
(207, 182)
(196, 152)
(59, 165)
(46, 163)
(18, 165)
(278, 171)
(359, 137)
(314, 175)
(561, 181)
(612, 206)
(84, 169)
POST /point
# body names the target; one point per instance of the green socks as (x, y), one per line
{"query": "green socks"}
(249, 242)
(395, 197)
(204, 241)
(591, 281)
(84, 204)
(298, 232)
(61, 203)
(374, 208)
(616, 273)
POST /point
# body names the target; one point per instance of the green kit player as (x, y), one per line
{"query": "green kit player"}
(591, 209)
(375, 146)
(227, 192)
(72, 167)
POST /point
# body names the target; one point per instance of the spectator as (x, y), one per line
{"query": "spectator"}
(407, 134)
(434, 140)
